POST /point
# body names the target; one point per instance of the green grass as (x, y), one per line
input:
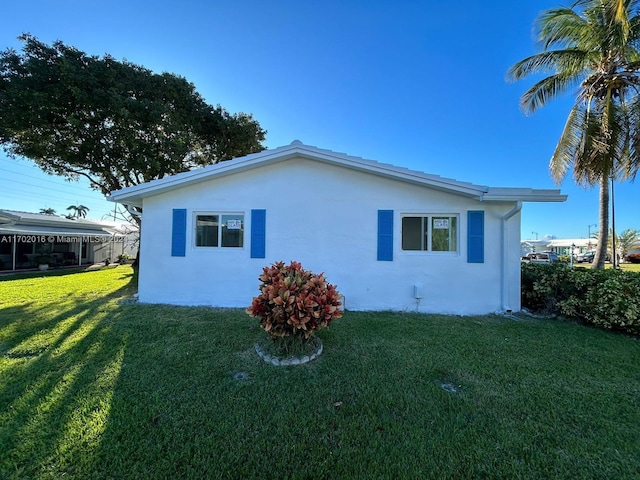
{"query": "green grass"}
(92, 386)
(628, 267)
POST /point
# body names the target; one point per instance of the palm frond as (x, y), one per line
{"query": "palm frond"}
(587, 160)
(594, 45)
(571, 61)
(547, 89)
(634, 22)
(570, 140)
(633, 165)
(618, 12)
(560, 28)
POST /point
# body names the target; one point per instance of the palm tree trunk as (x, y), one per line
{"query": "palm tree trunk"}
(603, 232)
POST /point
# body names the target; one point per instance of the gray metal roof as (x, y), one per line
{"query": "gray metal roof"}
(134, 195)
(24, 223)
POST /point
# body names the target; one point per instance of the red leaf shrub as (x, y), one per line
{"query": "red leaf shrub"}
(293, 301)
(633, 257)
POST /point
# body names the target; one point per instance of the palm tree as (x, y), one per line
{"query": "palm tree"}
(47, 211)
(627, 241)
(594, 46)
(79, 211)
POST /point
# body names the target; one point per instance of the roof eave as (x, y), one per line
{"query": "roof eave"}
(532, 197)
(133, 195)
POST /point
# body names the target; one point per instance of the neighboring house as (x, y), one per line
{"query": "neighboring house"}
(562, 246)
(388, 237)
(26, 236)
(128, 235)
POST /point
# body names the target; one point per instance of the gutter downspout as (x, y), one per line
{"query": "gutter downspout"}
(132, 211)
(505, 256)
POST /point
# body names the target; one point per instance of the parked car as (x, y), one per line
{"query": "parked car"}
(585, 257)
(541, 257)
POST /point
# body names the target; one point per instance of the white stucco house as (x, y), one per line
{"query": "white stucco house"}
(389, 238)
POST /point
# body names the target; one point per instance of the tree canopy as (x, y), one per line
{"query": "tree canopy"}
(593, 46)
(116, 123)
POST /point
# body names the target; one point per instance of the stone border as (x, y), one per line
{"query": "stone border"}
(284, 362)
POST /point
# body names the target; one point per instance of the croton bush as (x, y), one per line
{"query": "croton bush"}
(294, 301)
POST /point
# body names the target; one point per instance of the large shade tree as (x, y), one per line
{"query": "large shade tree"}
(591, 47)
(113, 122)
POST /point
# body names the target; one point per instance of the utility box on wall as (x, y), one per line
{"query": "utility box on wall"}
(418, 290)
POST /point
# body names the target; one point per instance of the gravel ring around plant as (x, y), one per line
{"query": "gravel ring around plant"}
(286, 361)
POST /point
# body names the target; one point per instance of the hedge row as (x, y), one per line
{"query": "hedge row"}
(606, 298)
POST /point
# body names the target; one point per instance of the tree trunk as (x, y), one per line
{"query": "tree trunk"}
(603, 232)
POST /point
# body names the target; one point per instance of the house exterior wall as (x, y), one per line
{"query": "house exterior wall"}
(326, 217)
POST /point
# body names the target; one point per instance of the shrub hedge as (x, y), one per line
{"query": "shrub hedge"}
(605, 298)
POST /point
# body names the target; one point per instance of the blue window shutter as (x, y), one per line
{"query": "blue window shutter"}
(475, 236)
(385, 235)
(179, 232)
(258, 233)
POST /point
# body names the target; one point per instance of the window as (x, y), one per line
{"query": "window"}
(220, 230)
(432, 233)
(6, 244)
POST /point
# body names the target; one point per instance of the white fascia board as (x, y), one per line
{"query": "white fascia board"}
(134, 195)
(523, 195)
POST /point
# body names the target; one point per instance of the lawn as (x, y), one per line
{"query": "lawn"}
(95, 386)
(627, 267)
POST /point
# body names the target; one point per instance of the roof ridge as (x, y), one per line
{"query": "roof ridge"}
(134, 195)
(390, 166)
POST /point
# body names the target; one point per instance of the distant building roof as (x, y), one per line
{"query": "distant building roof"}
(13, 222)
(567, 242)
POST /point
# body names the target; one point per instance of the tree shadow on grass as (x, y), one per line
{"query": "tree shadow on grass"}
(57, 373)
(21, 322)
(177, 382)
(7, 277)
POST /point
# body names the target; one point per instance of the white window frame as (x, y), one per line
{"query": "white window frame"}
(428, 217)
(220, 214)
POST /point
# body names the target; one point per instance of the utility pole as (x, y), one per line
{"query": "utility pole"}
(613, 227)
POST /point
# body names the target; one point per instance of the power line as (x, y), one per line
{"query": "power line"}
(47, 179)
(53, 189)
(41, 179)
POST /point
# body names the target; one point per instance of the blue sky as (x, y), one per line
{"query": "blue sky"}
(420, 84)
